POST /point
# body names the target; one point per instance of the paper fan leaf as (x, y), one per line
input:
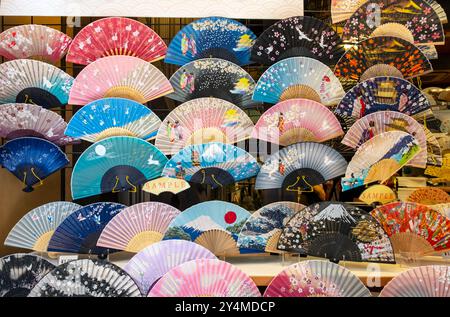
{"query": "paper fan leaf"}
(165, 184)
(429, 196)
(433, 148)
(200, 121)
(429, 51)
(443, 209)
(378, 194)
(211, 37)
(116, 36)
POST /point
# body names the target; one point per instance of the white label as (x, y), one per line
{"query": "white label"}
(66, 258)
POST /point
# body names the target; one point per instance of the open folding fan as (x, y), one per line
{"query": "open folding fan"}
(138, 226)
(213, 77)
(153, 262)
(119, 76)
(444, 209)
(299, 77)
(297, 120)
(429, 51)
(113, 117)
(34, 230)
(429, 196)
(379, 158)
(338, 232)
(31, 160)
(262, 229)
(34, 41)
(205, 278)
(315, 278)
(203, 120)
(86, 278)
(30, 81)
(115, 36)
(433, 148)
(20, 272)
(79, 231)
(211, 37)
(212, 224)
(165, 184)
(115, 164)
(216, 164)
(378, 194)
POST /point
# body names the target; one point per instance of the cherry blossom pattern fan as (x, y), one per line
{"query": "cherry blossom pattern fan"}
(165, 184)
(138, 226)
(429, 196)
(433, 148)
(380, 194)
(116, 36)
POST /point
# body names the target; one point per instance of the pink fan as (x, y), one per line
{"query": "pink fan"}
(116, 36)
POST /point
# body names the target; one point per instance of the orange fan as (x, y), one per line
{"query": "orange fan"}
(429, 196)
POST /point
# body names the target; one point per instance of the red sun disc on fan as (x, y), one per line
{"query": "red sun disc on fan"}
(230, 217)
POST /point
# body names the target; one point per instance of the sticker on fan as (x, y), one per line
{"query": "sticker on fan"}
(166, 184)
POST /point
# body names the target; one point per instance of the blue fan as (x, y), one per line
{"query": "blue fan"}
(116, 164)
(211, 37)
(79, 232)
(31, 160)
(216, 164)
(113, 117)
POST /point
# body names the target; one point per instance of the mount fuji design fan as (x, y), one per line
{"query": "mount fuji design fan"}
(165, 184)
(115, 36)
(203, 120)
(213, 77)
(32, 160)
(429, 196)
(119, 76)
(433, 148)
(211, 37)
(116, 164)
(338, 232)
(86, 278)
(299, 77)
(34, 41)
(297, 120)
(36, 228)
(378, 194)
(113, 117)
(205, 278)
(215, 164)
(20, 272)
(30, 81)
(138, 226)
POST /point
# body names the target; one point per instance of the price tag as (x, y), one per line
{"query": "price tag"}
(66, 258)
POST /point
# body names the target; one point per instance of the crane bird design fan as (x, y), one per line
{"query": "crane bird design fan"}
(32, 160)
(116, 164)
(429, 196)
(299, 77)
(203, 120)
(115, 36)
(211, 37)
(380, 194)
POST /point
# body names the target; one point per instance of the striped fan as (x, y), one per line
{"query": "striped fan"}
(378, 194)
(433, 148)
(119, 76)
(29, 81)
(429, 196)
(36, 228)
(138, 226)
(205, 278)
(297, 120)
(203, 120)
(115, 164)
(86, 278)
(113, 117)
(316, 279)
(32, 160)
(211, 37)
(165, 184)
(443, 209)
(115, 36)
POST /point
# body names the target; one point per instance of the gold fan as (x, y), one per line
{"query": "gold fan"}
(429, 196)
(382, 170)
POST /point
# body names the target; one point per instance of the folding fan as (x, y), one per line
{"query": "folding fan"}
(215, 164)
(138, 226)
(31, 160)
(165, 184)
(379, 158)
(115, 164)
(429, 196)
(34, 41)
(113, 117)
(36, 228)
(262, 229)
(429, 51)
(203, 120)
(20, 272)
(213, 77)
(212, 224)
(443, 209)
(115, 36)
(153, 262)
(119, 76)
(205, 278)
(336, 231)
(433, 148)
(79, 231)
(315, 278)
(378, 194)
(86, 278)
(211, 37)
(30, 81)
(297, 120)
